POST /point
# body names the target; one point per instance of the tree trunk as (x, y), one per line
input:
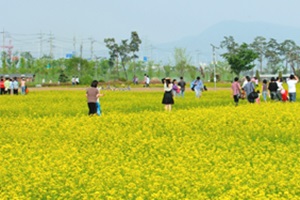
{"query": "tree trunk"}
(293, 67)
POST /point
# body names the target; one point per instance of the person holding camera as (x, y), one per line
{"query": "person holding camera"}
(291, 82)
(168, 100)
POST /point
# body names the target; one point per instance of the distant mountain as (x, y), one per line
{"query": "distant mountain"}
(199, 48)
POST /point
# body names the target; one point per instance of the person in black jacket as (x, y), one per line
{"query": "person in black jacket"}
(273, 87)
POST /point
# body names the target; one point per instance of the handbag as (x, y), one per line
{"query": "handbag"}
(253, 95)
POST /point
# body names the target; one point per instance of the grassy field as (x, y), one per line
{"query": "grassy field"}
(203, 149)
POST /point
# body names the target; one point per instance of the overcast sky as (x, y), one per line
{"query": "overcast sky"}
(158, 21)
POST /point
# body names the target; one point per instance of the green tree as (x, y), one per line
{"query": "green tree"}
(22, 65)
(167, 70)
(259, 45)
(181, 61)
(134, 46)
(230, 44)
(113, 53)
(241, 59)
(4, 63)
(290, 51)
(125, 51)
(272, 55)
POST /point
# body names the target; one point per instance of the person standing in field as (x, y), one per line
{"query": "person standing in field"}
(279, 84)
(264, 89)
(273, 89)
(7, 86)
(291, 82)
(236, 90)
(249, 88)
(11, 86)
(147, 81)
(23, 86)
(2, 87)
(168, 100)
(73, 80)
(15, 86)
(77, 80)
(92, 94)
(182, 84)
(175, 89)
(198, 87)
(99, 110)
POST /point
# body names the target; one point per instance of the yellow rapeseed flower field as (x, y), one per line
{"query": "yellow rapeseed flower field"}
(203, 149)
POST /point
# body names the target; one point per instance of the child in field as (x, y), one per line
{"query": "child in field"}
(99, 110)
(258, 98)
(284, 95)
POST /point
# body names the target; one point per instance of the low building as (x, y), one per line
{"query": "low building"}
(28, 77)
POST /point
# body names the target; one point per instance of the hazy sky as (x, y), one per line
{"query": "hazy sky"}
(156, 21)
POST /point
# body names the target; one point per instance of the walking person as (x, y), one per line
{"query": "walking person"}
(273, 89)
(291, 82)
(249, 88)
(92, 94)
(198, 87)
(168, 100)
(181, 84)
(236, 90)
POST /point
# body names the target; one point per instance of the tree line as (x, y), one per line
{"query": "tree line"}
(123, 62)
(270, 56)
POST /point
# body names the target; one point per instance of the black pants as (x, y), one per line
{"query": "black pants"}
(92, 108)
(236, 98)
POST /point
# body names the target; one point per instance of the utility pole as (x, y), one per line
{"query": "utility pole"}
(74, 46)
(41, 44)
(51, 45)
(214, 62)
(92, 47)
(3, 35)
(81, 49)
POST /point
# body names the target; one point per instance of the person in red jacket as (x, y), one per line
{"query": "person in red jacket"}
(284, 95)
(2, 87)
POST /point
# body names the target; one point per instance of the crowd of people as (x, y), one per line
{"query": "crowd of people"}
(249, 90)
(274, 89)
(11, 86)
(172, 88)
(75, 80)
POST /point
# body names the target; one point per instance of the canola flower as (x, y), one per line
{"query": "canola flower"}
(204, 149)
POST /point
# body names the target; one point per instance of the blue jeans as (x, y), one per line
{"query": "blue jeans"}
(182, 93)
(292, 96)
(264, 94)
(98, 108)
(23, 90)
